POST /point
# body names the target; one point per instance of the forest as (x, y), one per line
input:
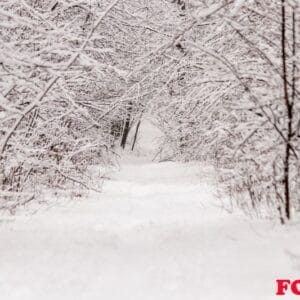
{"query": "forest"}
(80, 81)
(219, 77)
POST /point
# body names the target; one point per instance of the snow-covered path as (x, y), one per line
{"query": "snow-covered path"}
(156, 232)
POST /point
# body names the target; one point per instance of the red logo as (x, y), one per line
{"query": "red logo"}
(284, 285)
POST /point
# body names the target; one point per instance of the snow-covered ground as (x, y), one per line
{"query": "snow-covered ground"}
(156, 232)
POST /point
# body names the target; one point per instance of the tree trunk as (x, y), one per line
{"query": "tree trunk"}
(136, 134)
(289, 108)
(126, 126)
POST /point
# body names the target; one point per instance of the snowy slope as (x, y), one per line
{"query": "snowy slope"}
(156, 232)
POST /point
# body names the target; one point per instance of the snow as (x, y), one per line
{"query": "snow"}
(156, 232)
(149, 138)
(69, 74)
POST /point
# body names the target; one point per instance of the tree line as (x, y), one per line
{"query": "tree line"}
(220, 77)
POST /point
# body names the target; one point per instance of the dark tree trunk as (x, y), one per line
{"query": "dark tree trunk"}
(289, 108)
(126, 126)
(136, 134)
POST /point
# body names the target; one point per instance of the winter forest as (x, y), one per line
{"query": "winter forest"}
(156, 141)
